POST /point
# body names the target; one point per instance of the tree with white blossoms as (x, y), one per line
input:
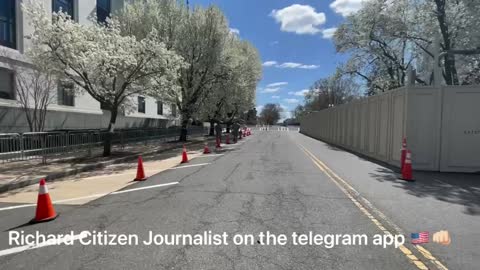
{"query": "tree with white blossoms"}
(457, 24)
(233, 92)
(197, 35)
(201, 42)
(377, 38)
(111, 67)
(386, 37)
(247, 75)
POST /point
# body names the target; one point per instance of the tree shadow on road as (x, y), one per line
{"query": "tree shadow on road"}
(456, 188)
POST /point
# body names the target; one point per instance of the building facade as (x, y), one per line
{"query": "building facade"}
(67, 110)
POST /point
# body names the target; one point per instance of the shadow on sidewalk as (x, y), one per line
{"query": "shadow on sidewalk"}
(457, 188)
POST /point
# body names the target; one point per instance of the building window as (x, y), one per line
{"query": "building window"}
(159, 107)
(104, 8)
(8, 36)
(7, 84)
(141, 104)
(66, 94)
(66, 6)
(174, 110)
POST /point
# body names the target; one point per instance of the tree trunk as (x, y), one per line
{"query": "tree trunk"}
(107, 145)
(229, 126)
(451, 70)
(451, 75)
(212, 128)
(183, 132)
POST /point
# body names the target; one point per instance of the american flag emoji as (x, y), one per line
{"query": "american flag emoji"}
(420, 238)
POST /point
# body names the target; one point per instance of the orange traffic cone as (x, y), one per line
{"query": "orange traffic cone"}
(227, 139)
(206, 150)
(407, 168)
(45, 211)
(184, 155)
(140, 170)
(404, 153)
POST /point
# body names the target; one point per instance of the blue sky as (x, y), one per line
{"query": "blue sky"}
(293, 40)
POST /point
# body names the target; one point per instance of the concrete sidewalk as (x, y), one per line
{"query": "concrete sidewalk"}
(15, 175)
(434, 202)
(87, 186)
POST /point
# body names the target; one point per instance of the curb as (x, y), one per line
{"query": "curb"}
(91, 167)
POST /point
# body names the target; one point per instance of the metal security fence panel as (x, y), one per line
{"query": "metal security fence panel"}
(42, 145)
(11, 146)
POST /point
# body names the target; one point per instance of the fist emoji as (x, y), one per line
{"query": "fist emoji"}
(442, 238)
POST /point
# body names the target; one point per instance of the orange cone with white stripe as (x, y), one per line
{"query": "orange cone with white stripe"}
(184, 155)
(407, 168)
(45, 211)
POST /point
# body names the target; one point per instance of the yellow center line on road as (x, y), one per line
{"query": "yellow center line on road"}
(337, 180)
(421, 249)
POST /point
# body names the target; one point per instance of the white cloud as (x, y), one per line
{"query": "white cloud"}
(273, 43)
(291, 100)
(297, 65)
(289, 65)
(347, 7)
(235, 31)
(270, 90)
(329, 32)
(300, 93)
(277, 84)
(275, 97)
(299, 19)
(270, 63)
(259, 108)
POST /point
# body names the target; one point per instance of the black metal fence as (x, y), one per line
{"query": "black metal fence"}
(25, 146)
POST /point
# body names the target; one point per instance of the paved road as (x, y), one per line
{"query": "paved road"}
(270, 182)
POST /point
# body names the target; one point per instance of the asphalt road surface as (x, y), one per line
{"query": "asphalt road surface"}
(269, 182)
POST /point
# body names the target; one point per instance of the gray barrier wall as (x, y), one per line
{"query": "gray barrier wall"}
(442, 127)
(460, 135)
